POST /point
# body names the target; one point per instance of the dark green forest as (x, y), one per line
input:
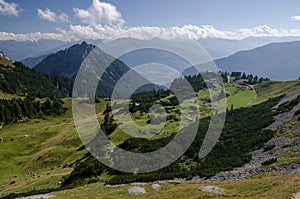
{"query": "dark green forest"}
(18, 109)
(24, 81)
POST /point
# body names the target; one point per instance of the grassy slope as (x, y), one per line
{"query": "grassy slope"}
(238, 97)
(6, 62)
(35, 151)
(6, 95)
(261, 186)
(273, 88)
(53, 143)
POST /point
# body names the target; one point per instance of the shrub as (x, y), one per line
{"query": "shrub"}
(269, 162)
(269, 147)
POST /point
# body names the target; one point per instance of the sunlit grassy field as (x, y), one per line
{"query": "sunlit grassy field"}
(36, 154)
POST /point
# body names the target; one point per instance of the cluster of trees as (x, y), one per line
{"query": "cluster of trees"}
(108, 125)
(250, 79)
(197, 82)
(24, 81)
(144, 100)
(15, 110)
(63, 84)
(243, 132)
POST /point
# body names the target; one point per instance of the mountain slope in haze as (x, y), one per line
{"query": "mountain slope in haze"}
(31, 62)
(18, 50)
(65, 62)
(219, 48)
(278, 61)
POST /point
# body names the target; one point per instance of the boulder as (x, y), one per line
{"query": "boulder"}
(212, 189)
(136, 190)
(156, 187)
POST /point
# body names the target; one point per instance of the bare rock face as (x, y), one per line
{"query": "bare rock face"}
(136, 190)
(297, 196)
(156, 187)
(39, 196)
(212, 189)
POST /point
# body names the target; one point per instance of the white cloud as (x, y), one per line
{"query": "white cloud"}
(63, 17)
(80, 32)
(31, 36)
(7, 8)
(266, 31)
(49, 15)
(100, 13)
(296, 18)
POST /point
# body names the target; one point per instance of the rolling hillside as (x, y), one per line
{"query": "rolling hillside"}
(50, 149)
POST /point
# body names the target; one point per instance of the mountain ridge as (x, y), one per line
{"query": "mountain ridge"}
(277, 61)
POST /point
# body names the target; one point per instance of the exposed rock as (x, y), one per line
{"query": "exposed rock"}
(212, 189)
(156, 187)
(161, 182)
(138, 183)
(287, 98)
(296, 196)
(136, 190)
(115, 185)
(177, 181)
(279, 141)
(40, 196)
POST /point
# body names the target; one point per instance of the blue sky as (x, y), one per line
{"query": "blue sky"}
(230, 19)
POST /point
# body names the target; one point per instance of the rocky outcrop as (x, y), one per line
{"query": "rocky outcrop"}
(136, 190)
(212, 189)
(40, 196)
(156, 187)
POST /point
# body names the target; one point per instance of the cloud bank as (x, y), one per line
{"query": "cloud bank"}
(9, 9)
(80, 32)
(49, 15)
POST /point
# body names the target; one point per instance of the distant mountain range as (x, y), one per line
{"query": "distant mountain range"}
(17, 51)
(278, 61)
(217, 48)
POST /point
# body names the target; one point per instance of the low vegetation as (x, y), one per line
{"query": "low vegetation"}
(232, 150)
(17, 109)
(19, 80)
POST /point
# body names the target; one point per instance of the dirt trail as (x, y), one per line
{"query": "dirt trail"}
(250, 102)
